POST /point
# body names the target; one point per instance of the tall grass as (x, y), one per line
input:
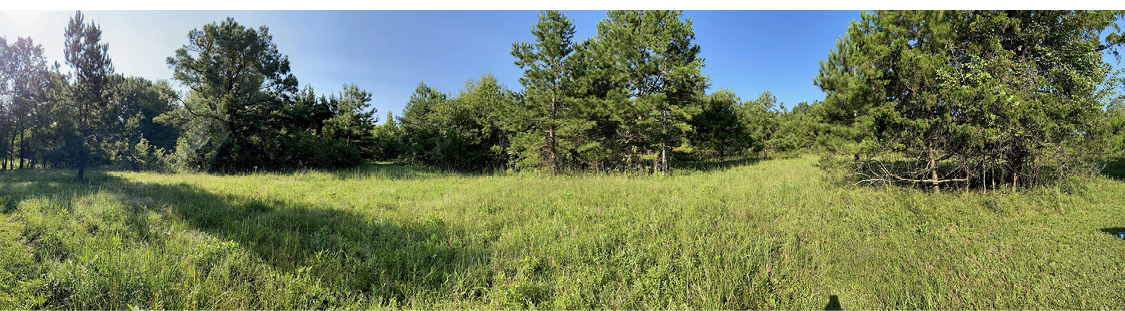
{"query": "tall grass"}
(765, 235)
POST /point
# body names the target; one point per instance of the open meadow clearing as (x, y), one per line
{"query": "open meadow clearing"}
(616, 159)
(766, 235)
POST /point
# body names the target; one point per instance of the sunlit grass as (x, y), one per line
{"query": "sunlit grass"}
(765, 235)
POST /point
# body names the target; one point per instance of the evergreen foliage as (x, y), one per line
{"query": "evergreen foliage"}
(654, 77)
(460, 133)
(238, 82)
(88, 91)
(719, 128)
(977, 99)
(547, 122)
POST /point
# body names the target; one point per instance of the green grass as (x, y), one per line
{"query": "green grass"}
(767, 235)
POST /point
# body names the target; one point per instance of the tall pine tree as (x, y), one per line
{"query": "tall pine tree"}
(239, 83)
(548, 105)
(92, 69)
(657, 76)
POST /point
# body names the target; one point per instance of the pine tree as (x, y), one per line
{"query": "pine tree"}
(852, 87)
(239, 86)
(548, 101)
(420, 130)
(762, 117)
(718, 127)
(658, 77)
(979, 98)
(353, 120)
(92, 70)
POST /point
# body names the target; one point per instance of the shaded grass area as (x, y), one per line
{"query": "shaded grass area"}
(1115, 169)
(715, 165)
(109, 242)
(762, 235)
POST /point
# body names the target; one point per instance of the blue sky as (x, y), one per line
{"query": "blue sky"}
(388, 53)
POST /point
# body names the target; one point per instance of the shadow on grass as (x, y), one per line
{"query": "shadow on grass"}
(833, 303)
(348, 252)
(710, 165)
(17, 185)
(395, 171)
(1112, 231)
(1115, 169)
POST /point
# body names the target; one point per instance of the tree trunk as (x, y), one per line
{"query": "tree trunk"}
(82, 157)
(663, 158)
(663, 141)
(552, 143)
(23, 146)
(1017, 167)
(766, 148)
(933, 165)
(551, 148)
(983, 177)
(12, 151)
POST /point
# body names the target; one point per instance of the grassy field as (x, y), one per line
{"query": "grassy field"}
(767, 235)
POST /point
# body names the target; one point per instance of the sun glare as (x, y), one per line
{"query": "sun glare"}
(20, 21)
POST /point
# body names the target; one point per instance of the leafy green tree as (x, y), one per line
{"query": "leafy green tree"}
(473, 138)
(92, 70)
(420, 127)
(5, 106)
(239, 85)
(980, 98)
(24, 82)
(58, 135)
(387, 139)
(1115, 127)
(718, 129)
(762, 117)
(139, 141)
(462, 133)
(796, 131)
(322, 131)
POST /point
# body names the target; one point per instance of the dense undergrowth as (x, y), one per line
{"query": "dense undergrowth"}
(763, 235)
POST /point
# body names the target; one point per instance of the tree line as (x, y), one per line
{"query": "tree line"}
(630, 98)
(925, 98)
(242, 109)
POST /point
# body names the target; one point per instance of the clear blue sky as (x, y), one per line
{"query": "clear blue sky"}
(388, 53)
